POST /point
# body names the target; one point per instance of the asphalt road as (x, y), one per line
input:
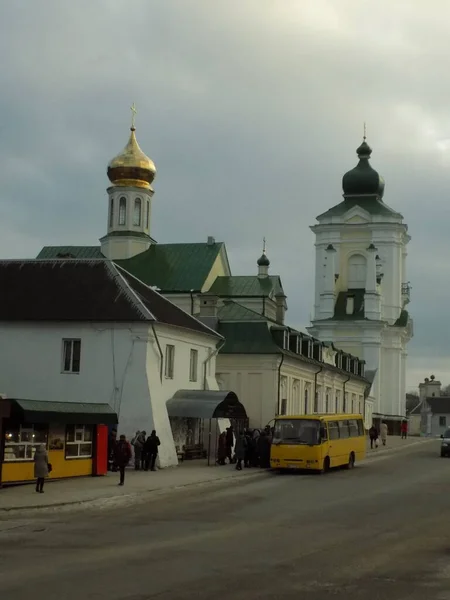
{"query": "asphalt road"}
(380, 531)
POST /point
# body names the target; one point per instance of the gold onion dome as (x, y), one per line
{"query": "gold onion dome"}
(132, 167)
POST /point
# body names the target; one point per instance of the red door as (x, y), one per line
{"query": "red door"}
(100, 466)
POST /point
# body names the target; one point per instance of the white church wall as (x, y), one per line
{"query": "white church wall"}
(119, 366)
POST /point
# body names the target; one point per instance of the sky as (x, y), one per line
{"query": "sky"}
(251, 110)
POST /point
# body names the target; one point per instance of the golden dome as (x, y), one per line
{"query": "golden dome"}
(132, 167)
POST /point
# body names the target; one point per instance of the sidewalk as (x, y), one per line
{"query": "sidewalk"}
(104, 491)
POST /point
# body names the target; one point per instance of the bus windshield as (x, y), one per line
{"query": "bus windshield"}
(296, 431)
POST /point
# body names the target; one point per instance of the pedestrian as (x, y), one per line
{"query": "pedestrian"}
(230, 443)
(240, 450)
(222, 448)
(373, 435)
(383, 433)
(264, 450)
(112, 441)
(122, 456)
(404, 429)
(151, 451)
(41, 467)
(138, 444)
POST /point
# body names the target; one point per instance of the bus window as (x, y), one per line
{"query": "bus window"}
(323, 433)
(343, 429)
(333, 430)
(361, 430)
(353, 427)
(296, 431)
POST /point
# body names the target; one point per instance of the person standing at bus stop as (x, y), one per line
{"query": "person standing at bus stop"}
(122, 455)
(404, 429)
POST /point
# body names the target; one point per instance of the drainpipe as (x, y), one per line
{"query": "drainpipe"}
(216, 351)
(343, 388)
(191, 292)
(279, 382)
(315, 384)
(160, 353)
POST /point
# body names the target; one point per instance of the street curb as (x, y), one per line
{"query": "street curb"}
(103, 499)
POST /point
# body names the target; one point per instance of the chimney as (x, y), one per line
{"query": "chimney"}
(281, 308)
(209, 310)
(210, 241)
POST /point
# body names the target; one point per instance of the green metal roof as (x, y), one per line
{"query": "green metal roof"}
(247, 338)
(232, 311)
(49, 252)
(170, 267)
(44, 411)
(235, 286)
(372, 204)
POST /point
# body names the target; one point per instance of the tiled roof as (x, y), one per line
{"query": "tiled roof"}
(439, 404)
(372, 205)
(170, 267)
(49, 252)
(246, 286)
(83, 290)
(232, 311)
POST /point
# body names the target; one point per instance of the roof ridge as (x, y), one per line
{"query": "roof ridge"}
(164, 299)
(128, 291)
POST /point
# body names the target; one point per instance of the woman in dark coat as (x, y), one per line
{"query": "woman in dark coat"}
(240, 450)
(222, 448)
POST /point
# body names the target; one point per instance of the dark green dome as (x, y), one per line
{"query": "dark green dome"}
(263, 261)
(363, 179)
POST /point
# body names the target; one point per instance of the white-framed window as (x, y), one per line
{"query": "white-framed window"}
(123, 211)
(193, 365)
(71, 356)
(79, 441)
(137, 214)
(21, 442)
(111, 212)
(170, 361)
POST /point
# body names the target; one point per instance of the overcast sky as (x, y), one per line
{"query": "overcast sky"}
(251, 110)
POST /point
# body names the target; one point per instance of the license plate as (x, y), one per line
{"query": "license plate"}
(292, 466)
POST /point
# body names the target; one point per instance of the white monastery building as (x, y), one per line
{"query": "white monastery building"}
(361, 287)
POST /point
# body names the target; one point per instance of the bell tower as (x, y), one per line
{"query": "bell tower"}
(361, 289)
(129, 201)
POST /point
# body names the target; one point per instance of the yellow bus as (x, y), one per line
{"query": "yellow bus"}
(317, 442)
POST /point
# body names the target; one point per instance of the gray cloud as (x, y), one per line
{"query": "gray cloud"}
(251, 111)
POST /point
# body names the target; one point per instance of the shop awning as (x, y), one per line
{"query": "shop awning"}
(66, 413)
(206, 404)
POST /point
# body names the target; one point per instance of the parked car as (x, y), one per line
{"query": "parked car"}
(445, 443)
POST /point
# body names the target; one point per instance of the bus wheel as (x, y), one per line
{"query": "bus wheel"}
(351, 461)
(326, 466)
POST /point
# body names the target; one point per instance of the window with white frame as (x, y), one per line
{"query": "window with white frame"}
(170, 361)
(79, 441)
(137, 214)
(71, 356)
(193, 366)
(122, 211)
(21, 441)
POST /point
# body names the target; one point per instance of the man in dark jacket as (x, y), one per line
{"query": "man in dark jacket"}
(122, 456)
(151, 451)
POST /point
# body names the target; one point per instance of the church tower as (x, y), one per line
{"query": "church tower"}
(129, 202)
(361, 290)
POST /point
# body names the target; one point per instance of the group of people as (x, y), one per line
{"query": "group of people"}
(145, 452)
(375, 435)
(251, 447)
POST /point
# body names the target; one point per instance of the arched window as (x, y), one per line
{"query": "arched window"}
(137, 215)
(306, 401)
(147, 215)
(111, 212)
(356, 276)
(122, 211)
